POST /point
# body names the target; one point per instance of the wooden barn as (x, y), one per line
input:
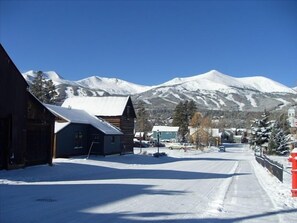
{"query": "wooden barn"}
(117, 110)
(79, 133)
(26, 126)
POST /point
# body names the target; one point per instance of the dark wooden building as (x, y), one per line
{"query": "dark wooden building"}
(79, 133)
(117, 110)
(26, 126)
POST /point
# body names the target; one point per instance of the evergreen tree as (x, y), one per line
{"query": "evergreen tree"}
(142, 122)
(191, 109)
(182, 115)
(272, 142)
(36, 87)
(42, 89)
(280, 136)
(284, 124)
(261, 130)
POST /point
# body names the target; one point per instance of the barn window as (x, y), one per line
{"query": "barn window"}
(78, 140)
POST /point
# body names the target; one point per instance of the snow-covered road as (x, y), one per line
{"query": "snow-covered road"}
(182, 187)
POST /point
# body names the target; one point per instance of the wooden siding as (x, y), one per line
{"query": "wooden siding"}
(20, 130)
(39, 147)
(98, 138)
(65, 141)
(104, 144)
(13, 103)
(40, 132)
(112, 144)
(5, 140)
(126, 125)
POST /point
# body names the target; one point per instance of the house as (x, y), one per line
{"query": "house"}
(227, 136)
(292, 118)
(79, 133)
(117, 110)
(208, 136)
(26, 126)
(166, 133)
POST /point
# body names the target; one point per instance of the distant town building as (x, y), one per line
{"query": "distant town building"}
(166, 133)
(292, 117)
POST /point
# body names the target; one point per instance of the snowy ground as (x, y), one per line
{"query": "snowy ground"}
(190, 186)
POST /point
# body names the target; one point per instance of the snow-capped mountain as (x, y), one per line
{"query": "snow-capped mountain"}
(112, 85)
(214, 80)
(92, 86)
(212, 90)
(216, 91)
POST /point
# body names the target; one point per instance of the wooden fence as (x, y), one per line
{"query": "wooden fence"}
(274, 167)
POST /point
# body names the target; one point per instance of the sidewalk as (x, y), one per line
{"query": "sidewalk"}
(246, 200)
(279, 193)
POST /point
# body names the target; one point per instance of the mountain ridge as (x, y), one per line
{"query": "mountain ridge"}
(211, 90)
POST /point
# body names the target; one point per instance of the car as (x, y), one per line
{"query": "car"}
(222, 149)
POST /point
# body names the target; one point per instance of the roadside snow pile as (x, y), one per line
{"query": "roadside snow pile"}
(280, 193)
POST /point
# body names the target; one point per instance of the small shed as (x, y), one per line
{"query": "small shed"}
(166, 133)
(117, 110)
(78, 133)
(26, 126)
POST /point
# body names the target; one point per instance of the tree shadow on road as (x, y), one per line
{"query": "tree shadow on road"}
(151, 160)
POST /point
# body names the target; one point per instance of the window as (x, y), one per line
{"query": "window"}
(112, 139)
(78, 140)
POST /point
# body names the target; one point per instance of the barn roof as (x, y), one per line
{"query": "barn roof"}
(165, 128)
(99, 106)
(82, 117)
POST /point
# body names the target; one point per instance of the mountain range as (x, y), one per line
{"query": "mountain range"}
(210, 91)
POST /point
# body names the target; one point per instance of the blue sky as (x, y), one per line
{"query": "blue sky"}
(150, 42)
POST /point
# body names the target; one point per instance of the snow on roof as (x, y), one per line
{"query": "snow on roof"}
(165, 128)
(81, 117)
(60, 125)
(99, 106)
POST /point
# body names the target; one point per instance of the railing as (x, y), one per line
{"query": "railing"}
(274, 167)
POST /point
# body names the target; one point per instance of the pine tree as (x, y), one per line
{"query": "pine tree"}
(281, 135)
(180, 120)
(182, 115)
(191, 109)
(42, 89)
(50, 92)
(261, 130)
(36, 87)
(272, 145)
(142, 122)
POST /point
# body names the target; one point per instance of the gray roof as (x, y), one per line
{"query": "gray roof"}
(81, 117)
